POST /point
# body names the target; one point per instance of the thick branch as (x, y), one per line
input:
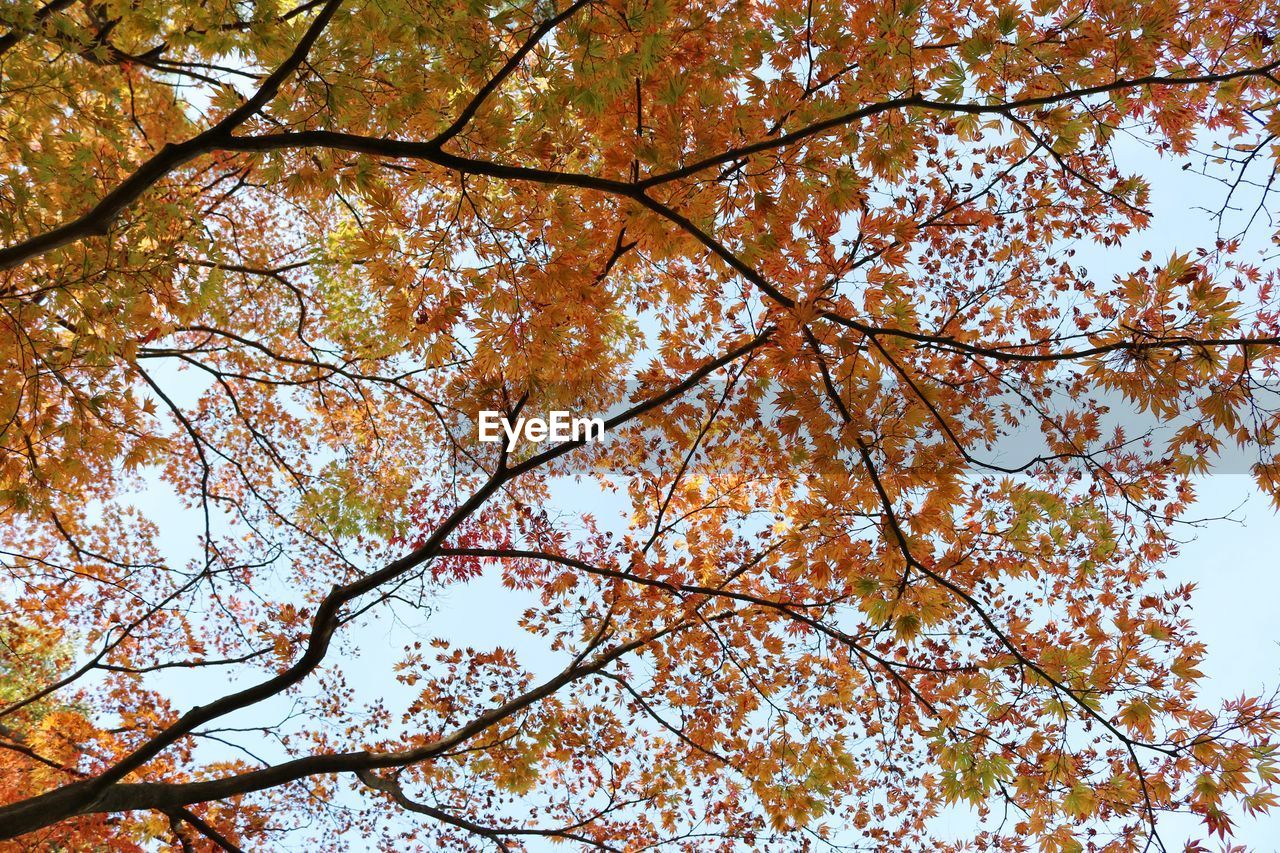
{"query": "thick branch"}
(97, 221)
(97, 794)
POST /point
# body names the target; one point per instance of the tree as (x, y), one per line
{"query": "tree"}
(42, 743)
(814, 260)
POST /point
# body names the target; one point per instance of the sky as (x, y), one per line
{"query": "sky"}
(1231, 560)
(1233, 565)
(1231, 556)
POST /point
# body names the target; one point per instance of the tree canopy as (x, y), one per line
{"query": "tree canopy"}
(263, 265)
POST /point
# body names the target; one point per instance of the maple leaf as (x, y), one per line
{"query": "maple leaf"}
(816, 267)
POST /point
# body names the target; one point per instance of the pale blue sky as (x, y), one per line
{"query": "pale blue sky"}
(1230, 561)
